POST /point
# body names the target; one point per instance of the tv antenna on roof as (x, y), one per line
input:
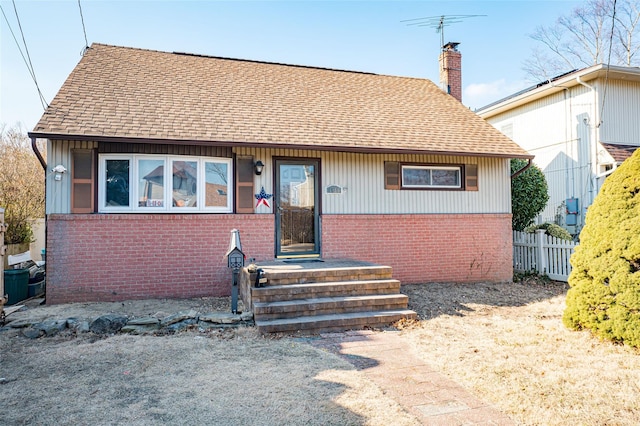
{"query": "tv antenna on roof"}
(438, 22)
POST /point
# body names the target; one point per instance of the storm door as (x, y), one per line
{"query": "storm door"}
(296, 208)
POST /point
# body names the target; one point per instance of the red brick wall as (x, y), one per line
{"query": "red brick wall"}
(116, 257)
(110, 257)
(425, 248)
(451, 72)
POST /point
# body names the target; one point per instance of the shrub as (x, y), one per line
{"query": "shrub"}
(605, 280)
(551, 229)
(529, 194)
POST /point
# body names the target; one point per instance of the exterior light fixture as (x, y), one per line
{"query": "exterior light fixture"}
(259, 166)
(59, 170)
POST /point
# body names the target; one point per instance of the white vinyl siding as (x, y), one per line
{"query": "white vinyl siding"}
(361, 178)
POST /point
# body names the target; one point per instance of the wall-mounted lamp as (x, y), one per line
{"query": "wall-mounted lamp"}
(259, 166)
(59, 170)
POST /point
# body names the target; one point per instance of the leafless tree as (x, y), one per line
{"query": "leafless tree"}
(21, 184)
(600, 31)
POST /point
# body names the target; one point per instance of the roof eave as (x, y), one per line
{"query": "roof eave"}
(553, 87)
(334, 148)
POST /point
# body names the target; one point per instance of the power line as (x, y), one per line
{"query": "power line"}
(606, 75)
(84, 30)
(28, 63)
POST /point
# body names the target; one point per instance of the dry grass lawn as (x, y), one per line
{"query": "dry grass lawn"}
(503, 342)
(506, 343)
(228, 377)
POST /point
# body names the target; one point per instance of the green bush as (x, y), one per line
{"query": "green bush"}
(529, 194)
(605, 280)
(551, 229)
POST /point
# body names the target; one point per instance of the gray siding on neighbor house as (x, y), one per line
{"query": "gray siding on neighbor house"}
(558, 130)
(620, 113)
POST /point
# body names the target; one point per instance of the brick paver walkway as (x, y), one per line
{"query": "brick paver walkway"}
(388, 361)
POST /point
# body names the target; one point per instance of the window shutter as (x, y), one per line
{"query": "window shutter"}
(391, 175)
(82, 181)
(244, 185)
(471, 177)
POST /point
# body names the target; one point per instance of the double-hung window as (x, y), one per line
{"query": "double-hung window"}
(164, 183)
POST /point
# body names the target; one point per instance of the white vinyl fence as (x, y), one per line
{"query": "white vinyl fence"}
(542, 253)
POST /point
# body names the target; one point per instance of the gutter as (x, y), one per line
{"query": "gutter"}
(522, 170)
(34, 147)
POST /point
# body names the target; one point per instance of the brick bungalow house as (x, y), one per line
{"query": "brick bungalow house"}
(163, 154)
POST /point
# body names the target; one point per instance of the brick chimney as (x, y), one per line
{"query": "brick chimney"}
(451, 70)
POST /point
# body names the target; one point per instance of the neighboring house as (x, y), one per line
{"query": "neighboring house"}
(580, 126)
(356, 165)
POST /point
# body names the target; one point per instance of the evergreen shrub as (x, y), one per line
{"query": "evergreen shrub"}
(605, 280)
(551, 229)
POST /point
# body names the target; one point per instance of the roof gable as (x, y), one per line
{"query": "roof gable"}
(135, 94)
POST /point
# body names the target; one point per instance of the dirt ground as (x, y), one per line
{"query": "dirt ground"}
(503, 342)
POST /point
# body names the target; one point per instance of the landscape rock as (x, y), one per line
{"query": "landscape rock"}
(144, 321)
(139, 329)
(32, 333)
(21, 323)
(182, 325)
(51, 327)
(220, 318)
(180, 316)
(108, 324)
(246, 316)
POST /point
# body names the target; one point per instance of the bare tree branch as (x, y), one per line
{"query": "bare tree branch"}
(585, 37)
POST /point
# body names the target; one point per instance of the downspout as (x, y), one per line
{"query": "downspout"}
(34, 147)
(593, 149)
(522, 170)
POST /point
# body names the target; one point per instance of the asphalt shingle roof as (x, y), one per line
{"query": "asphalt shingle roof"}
(620, 152)
(126, 93)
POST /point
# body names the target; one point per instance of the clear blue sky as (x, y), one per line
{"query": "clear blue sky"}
(350, 35)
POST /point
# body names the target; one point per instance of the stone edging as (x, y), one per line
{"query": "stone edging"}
(115, 323)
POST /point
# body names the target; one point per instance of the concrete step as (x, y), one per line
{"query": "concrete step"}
(328, 305)
(334, 322)
(323, 289)
(302, 276)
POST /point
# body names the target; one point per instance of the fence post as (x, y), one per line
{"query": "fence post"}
(541, 264)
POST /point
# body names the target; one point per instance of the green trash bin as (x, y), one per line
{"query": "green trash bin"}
(16, 285)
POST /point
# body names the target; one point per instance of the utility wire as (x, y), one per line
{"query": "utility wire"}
(28, 64)
(26, 49)
(606, 75)
(84, 30)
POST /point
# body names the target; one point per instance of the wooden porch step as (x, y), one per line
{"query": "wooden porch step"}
(302, 276)
(328, 305)
(276, 293)
(334, 322)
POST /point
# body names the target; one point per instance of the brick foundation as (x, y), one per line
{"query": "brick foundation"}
(425, 248)
(111, 257)
(116, 257)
